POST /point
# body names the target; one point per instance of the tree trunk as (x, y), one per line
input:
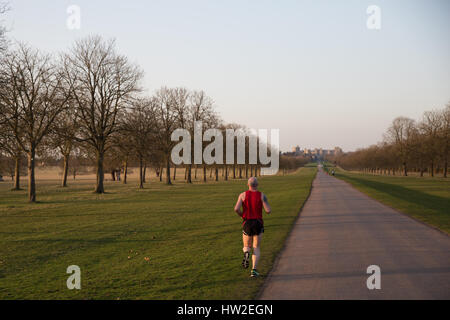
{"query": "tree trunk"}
(174, 173)
(204, 173)
(65, 171)
(17, 174)
(432, 168)
(141, 174)
(217, 173)
(195, 172)
(234, 171)
(144, 177)
(160, 173)
(226, 173)
(125, 171)
(31, 177)
(99, 188)
(405, 169)
(189, 175)
(240, 172)
(445, 167)
(168, 182)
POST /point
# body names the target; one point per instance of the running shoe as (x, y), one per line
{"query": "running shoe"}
(245, 261)
(254, 273)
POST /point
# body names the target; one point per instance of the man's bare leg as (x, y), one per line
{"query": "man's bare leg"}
(256, 251)
(248, 241)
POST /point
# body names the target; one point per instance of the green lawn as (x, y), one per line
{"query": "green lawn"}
(311, 165)
(426, 199)
(190, 234)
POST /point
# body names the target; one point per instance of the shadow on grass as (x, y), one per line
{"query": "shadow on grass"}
(418, 198)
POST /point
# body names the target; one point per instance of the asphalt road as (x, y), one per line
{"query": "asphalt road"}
(341, 232)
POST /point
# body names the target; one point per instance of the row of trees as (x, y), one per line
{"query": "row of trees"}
(409, 145)
(77, 97)
(87, 103)
(290, 163)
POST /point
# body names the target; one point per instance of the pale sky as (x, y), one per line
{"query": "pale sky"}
(309, 68)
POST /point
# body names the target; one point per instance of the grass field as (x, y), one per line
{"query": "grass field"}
(311, 165)
(163, 242)
(426, 199)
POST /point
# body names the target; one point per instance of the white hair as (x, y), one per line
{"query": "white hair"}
(253, 182)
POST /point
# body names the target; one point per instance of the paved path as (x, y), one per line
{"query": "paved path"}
(340, 233)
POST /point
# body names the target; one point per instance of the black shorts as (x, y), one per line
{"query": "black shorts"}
(252, 227)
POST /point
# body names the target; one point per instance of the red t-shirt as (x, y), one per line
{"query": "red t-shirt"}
(252, 205)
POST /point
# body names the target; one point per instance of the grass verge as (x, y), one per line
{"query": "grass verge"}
(426, 199)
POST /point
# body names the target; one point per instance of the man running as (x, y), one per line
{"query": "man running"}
(252, 201)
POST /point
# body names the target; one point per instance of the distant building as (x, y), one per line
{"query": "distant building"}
(316, 153)
(337, 150)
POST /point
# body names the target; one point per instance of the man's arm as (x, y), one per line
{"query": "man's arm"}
(266, 204)
(238, 206)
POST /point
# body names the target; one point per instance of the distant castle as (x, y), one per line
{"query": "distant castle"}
(315, 153)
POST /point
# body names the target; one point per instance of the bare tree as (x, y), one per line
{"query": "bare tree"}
(10, 148)
(103, 81)
(400, 133)
(167, 121)
(63, 138)
(31, 98)
(201, 109)
(79, 162)
(124, 150)
(430, 126)
(419, 150)
(180, 99)
(112, 163)
(139, 126)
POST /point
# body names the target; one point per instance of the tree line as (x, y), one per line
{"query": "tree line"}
(408, 146)
(87, 104)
